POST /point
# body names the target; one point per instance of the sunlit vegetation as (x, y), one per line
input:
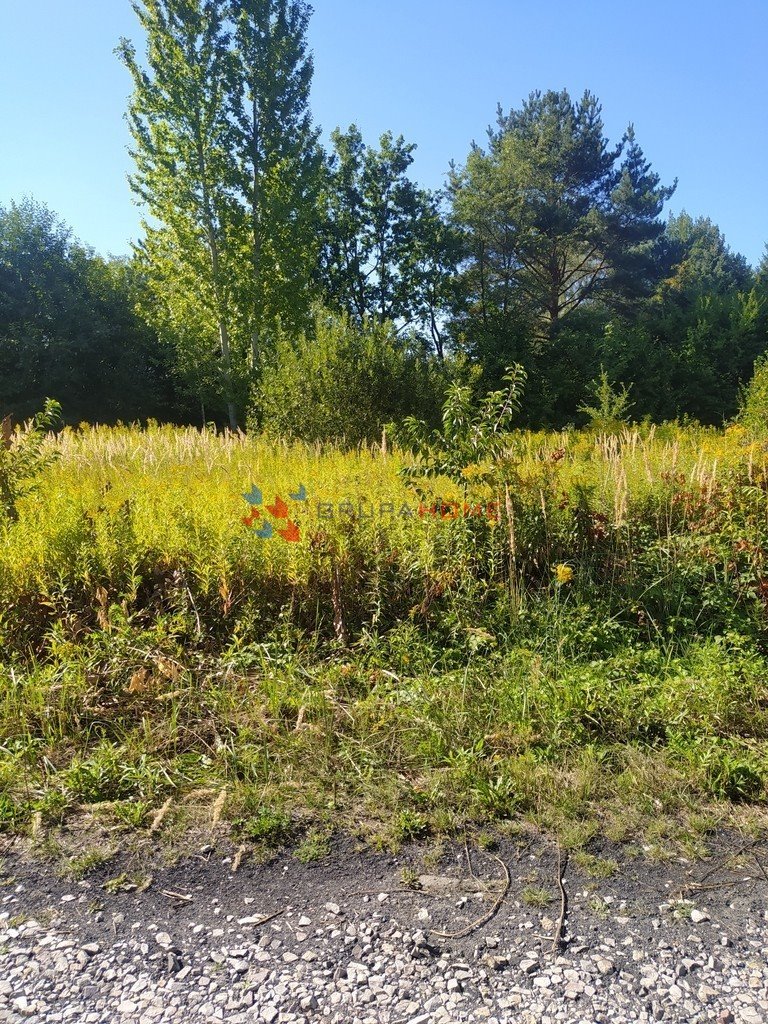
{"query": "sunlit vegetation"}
(592, 649)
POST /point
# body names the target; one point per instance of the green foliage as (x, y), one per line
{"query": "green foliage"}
(342, 381)
(472, 432)
(314, 846)
(68, 327)
(269, 826)
(227, 167)
(697, 259)
(409, 826)
(132, 813)
(111, 773)
(279, 168)
(611, 407)
(11, 814)
(754, 399)
(25, 454)
(691, 347)
(551, 219)
(535, 896)
(595, 867)
(388, 253)
(599, 646)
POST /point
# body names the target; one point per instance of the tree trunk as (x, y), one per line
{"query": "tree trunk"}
(256, 241)
(226, 357)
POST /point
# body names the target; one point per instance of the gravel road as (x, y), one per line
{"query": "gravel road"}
(348, 940)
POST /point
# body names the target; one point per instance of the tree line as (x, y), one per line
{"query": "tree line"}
(318, 293)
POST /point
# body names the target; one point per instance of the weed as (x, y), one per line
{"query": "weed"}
(424, 674)
(534, 896)
(127, 883)
(486, 841)
(598, 907)
(131, 813)
(25, 454)
(409, 878)
(315, 845)
(409, 825)
(595, 867)
(269, 826)
(79, 866)
(433, 856)
(681, 909)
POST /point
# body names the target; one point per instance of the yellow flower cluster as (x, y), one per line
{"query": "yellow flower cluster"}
(475, 471)
(564, 573)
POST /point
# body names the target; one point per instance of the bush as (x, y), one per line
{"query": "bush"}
(343, 382)
(754, 399)
(24, 456)
(610, 410)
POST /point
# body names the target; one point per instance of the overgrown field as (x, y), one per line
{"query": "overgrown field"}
(580, 640)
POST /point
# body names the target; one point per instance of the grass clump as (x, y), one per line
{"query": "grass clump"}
(595, 867)
(315, 845)
(535, 896)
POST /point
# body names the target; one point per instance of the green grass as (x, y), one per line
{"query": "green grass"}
(400, 677)
(595, 867)
(534, 896)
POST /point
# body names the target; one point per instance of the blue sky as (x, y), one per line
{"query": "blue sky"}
(692, 76)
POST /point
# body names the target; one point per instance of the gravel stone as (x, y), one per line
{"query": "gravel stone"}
(144, 960)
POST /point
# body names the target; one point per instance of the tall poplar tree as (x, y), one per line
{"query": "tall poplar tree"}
(184, 177)
(226, 166)
(278, 164)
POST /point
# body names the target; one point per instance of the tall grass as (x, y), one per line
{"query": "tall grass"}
(597, 645)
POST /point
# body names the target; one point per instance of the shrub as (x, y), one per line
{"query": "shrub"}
(343, 382)
(754, 399)
(24, 456)
(472, 431)
(611, 404)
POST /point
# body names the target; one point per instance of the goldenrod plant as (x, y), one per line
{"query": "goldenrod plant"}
(374, 674)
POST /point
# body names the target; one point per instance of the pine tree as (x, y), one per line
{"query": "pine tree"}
(550, 221)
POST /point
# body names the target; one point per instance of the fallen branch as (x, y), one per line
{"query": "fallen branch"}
(486, 917)
(469, 859)
(698, 887)
(175, 895)
(720, 863)
(262, 920)
(561, 865)
(760, 866)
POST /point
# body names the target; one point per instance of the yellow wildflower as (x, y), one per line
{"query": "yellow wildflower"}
(564, 573)
(476, 470)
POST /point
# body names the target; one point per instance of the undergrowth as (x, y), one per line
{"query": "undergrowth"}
(571, 632)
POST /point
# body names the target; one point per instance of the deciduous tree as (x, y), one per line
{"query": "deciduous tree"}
(226, 166)
(388, 253)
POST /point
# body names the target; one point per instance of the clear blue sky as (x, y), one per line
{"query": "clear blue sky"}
(691, 74)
